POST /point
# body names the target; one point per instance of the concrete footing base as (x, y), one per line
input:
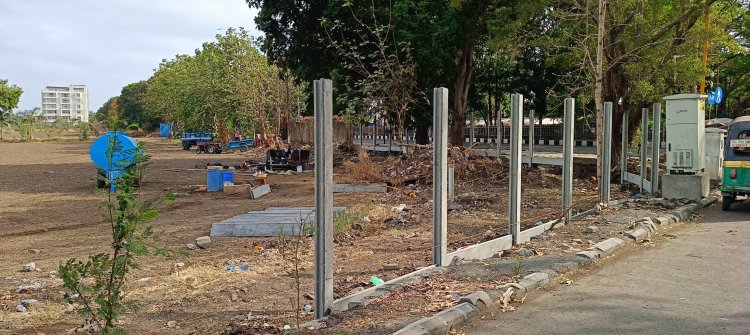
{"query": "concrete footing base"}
(691, 187)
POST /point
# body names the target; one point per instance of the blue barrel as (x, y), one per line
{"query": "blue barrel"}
(228, 178)
(214, 180)
(165, 129)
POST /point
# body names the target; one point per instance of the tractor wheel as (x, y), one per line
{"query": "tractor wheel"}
(211, 149)
(726, 202)
(243, 148)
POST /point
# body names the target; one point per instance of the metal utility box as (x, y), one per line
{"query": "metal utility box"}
(685, 130)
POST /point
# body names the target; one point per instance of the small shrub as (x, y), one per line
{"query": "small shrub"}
(95, 286)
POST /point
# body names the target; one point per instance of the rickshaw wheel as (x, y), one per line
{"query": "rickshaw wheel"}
(726, 202)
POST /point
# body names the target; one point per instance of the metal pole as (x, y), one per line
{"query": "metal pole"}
(440, 177)
(624, 149)
(607, 154)
(516, 137)
(531, 138)
(361, 135)
(323, 197)
(656, 148)
(568, 130)
(644, 146)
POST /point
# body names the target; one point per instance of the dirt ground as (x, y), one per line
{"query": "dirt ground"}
(51, 212)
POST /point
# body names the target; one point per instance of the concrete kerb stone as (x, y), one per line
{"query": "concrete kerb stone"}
(589, 255)
(608, 246)
(477, 298)
(638, 234)
(663, 221)
(534, 280)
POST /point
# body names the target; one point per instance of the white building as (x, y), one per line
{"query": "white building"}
(65, 103)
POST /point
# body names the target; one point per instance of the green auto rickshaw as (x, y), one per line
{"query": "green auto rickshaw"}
(736, 166)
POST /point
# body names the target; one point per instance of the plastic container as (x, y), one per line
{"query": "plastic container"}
(214, 180)
(228, 178)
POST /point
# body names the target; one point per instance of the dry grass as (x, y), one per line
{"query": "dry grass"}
(40, 314)
(363, 170)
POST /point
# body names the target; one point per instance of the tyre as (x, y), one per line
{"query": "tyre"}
(211, 149)
(726, 202)
(100, 179)
(243, 148)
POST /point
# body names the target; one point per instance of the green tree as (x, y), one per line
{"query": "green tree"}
(9, 96)
(227, 84)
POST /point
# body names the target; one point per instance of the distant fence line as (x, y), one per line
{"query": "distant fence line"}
(543, 134)
(302, 131)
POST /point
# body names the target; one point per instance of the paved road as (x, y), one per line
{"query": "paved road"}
(698, 283)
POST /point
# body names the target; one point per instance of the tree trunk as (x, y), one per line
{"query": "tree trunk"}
(465, 60)
(422, 134)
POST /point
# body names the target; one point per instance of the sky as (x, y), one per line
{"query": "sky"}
(104, 44)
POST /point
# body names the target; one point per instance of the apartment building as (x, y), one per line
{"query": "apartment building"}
(65, 103)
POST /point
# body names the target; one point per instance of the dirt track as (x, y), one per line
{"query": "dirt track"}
(49, 203)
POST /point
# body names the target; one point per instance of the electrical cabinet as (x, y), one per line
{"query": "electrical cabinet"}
(685, 128)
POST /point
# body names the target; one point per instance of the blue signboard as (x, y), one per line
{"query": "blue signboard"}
(711, 98)
(113, 163)
(719, 94)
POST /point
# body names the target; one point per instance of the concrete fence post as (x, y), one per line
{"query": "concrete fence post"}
(440, 177)
(604, 185)
(644, 147)
(624, 149)
(323, 197)
(516, 137)
(499, 141)
(451, 182)
(375, 131)
(471, 128)
(531, 137)
(568, 129)
(656, 148)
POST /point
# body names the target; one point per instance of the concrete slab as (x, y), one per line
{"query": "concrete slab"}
(260, 191)
(271, 222)
(368, 188)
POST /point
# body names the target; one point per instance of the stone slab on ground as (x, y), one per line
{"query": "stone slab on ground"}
(367, 188)
(260, 191)
(271, 222)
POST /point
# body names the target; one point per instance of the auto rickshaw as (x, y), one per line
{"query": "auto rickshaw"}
(736, 178)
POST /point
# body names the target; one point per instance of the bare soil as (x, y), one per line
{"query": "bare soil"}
(50, 205)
